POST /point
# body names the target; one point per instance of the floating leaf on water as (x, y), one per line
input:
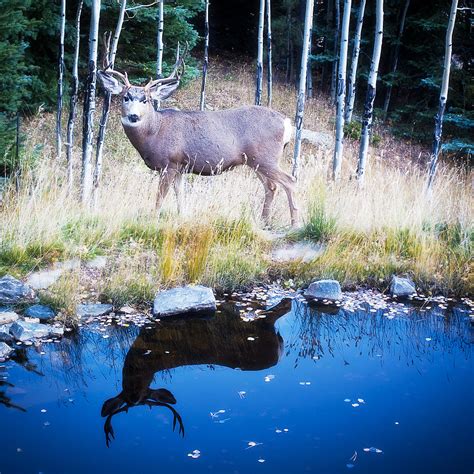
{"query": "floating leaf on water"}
(46, 423)
(278, 431)
(252, 444)
(349, 465)
(268, 378)
(347, 400)
(428, 339)
(242, 394)
(397, 423)
(285, 430)
(250, 338)
(355, 404)
(261, 460)
(43, 410)
(147, 352)
(361, 400)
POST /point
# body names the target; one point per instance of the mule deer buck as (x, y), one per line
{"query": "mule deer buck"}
(175, 142)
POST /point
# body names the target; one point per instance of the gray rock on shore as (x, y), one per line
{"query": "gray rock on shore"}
(324, 290)
(185, 299)
(5, 350)
(26, 331)
(400, 286)
(7, 317)
(13, 291)
(93, 310)
(43, 313)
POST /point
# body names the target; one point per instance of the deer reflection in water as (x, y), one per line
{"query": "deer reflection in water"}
(224, 340)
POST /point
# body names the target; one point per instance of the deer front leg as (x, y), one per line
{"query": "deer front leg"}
(270, 188)
(167, 178)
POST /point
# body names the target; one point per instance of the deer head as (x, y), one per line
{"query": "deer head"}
(138, 101)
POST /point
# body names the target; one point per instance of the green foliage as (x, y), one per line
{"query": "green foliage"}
(352, 130)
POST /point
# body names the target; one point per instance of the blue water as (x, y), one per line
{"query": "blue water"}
(413, 374)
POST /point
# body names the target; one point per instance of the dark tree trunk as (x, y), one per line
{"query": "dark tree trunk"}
(259, 75)
(336, 44)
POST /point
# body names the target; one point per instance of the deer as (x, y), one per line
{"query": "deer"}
(226, 341)
(175, 142)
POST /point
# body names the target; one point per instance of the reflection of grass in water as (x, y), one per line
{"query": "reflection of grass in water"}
(318, 334)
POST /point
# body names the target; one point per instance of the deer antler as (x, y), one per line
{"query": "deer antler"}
(178, 70)
(106, 61)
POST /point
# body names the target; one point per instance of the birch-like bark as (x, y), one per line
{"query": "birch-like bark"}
(159, 40)
(259, 77)
(288, 43)
(396, 53)
(341, 90)
(73, 99)
(443, 96)
(371, 90)
(351, 83)
(59, 112)
(269, 54)
(336, 44)
(308, 24)
(107, 102)
(206, 58)
(309, 75)
(89, 105)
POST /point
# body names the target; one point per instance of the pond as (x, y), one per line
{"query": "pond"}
(371, 386)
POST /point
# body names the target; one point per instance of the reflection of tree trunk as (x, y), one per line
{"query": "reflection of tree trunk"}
(73, 99)
(396, 53)
(351, 83)
(308, 23)
(107, 102)
(269, 55)
(62, 27)
(443, 96)
(259, 79)
(206, 58)
(89, 104)
(336, 44)
(341, 90)
(371, 89)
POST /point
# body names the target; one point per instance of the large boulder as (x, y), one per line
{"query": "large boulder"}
(400, 286)
(93, 310)
(5, 350)
(13, 291)
(324, 290)
(26, 331)
(5, 335)
(43, 313)
(185, 299)
(7, 317)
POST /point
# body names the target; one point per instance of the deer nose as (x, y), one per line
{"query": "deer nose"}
(133, 118)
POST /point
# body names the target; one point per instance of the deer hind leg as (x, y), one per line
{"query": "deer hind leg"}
(167, 178)
(270, 188)
(288, 184)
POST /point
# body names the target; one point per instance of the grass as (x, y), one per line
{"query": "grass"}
(389, 226)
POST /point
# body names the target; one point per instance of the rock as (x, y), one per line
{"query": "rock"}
(25, 331)
(5, 335)
(97, 263)
(13, 291)
(300, 251)
(324, 290)
(44, 278)
(127, 310)
(5, 350)
(322, 139)
(43, 313)
(8, 317)
(400, 286)
(93, 310)
(191, 298)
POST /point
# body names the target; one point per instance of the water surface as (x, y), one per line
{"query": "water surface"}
(372, 387)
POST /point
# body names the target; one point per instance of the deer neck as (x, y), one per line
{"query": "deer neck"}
(140, 134)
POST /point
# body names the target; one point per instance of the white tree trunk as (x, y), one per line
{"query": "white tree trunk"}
(351, 83)
(62, 28)
(371, 90)
(443, 96)
(73, 99)
(206, 58)
(106, 105)
(89, 105)
(269, 54)
(336, 44)
(308, 24)
(159, 40)
(396, 53)
(259, 79)
(341, 90)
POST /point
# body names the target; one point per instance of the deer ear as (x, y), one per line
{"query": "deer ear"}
(109, 83)
(163, 91)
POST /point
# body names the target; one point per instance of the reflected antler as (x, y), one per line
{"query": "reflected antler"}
(178, 71)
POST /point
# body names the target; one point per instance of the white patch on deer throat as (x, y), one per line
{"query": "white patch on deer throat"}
(288, 132)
